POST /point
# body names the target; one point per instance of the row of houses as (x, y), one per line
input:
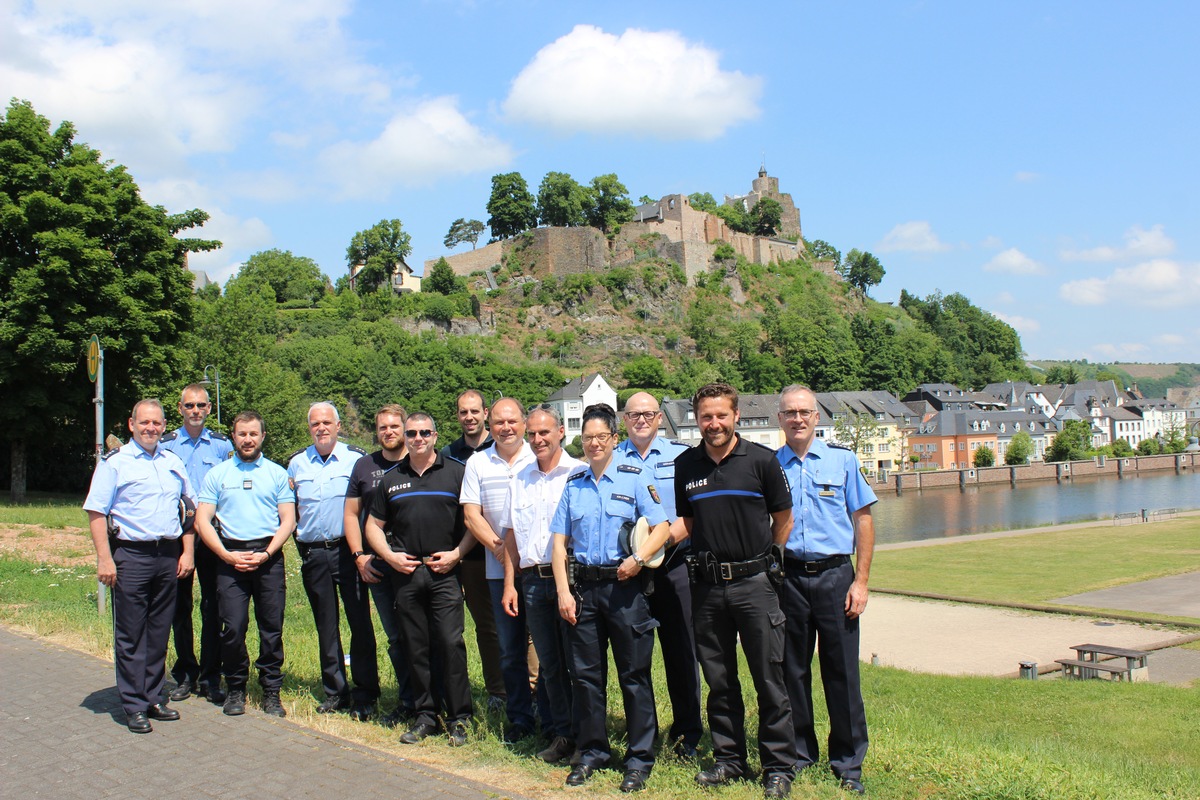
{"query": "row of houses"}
(936, 426)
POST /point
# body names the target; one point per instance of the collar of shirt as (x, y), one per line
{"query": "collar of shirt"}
(818, 450)
(137, 451)
(523, 456)
(630, 448)
(336, 454)
(242, 464)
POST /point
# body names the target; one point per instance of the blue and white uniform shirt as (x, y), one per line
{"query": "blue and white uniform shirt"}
(592, 511)
(139, 491)
(827, 487)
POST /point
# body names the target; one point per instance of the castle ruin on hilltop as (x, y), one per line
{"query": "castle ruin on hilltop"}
(670, 227)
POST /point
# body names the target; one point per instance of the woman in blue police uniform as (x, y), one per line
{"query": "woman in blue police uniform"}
(607, 604)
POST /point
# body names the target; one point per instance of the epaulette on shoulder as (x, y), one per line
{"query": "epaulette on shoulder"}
(840, 447)
(579, 474)
(681, 444)
(293, 455)
(218, 435)
(169, 437)
(110, 454)
(353, 448)
(636, 470)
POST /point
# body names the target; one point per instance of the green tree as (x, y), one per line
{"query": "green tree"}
(735, 216)
(380, 249)
(1073, 442)
(561, 201)
(1109, 375)
(1149, 447)
(1020, 448)
(765, 217)
(293, 279)
(1062, 373)
(441, 279)
(80, 253)
(463, 230)
(511, 206)
(855, 430)
(645, 372)
(703, 201)
(821, 250)
(1121, 449)
(862, 270)
(609, 206)
(984, 457)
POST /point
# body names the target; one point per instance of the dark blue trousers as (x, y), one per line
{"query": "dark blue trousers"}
(143, 602)
(328, 573)
(267, 587)
(205, 670)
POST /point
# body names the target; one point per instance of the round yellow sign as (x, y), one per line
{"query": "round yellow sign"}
(93, 358)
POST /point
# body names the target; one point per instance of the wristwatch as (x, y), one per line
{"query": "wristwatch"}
(641, 562)
(359, 553)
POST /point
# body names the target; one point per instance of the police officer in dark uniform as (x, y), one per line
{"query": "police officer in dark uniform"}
(824, 593)
(416, 525)
(319, 475)
(734, 501)
(137, 490)
(248, 498)
(200, 450)
(607, 604)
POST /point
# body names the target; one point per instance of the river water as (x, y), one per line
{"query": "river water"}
(946, 512)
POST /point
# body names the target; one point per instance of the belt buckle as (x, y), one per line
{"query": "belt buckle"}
(726, 570)
(812, 567)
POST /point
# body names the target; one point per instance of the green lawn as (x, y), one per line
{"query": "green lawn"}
(52, 511)
(932, 736)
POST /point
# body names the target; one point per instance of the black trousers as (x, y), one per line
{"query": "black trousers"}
(816, 612)
(267, 587)
(328, 573)
(143, 602)
(747, 608)
(384, 596)
(613, 612)
(671, 605)
(207, 669)
(430, 609)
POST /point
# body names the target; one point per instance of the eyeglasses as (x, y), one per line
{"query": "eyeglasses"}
(598, 438)
(190, 406)
(636, 415)
(424, 433)
(798, 413)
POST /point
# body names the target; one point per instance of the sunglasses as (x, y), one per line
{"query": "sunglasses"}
(190, 406)
(424, 434)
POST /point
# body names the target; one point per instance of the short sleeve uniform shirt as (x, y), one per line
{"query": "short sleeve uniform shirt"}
(827, 487)
(198, 455)
(421, 513)
(140, 491)
(320, 485)
(247, 497)
(592, 511)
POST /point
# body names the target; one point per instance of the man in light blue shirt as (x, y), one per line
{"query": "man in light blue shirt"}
(200, 450)
(133, 515)
(246, 512)
(319, 474)
(824, 594)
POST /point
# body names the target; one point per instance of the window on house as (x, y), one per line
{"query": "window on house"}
(962, 445)
(573, 423)
(886, 447)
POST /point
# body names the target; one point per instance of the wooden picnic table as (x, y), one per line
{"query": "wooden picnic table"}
(1089, 665)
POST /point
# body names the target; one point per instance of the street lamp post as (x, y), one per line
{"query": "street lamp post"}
(217, 382)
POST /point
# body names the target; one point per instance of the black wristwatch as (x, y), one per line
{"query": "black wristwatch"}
(360, 553)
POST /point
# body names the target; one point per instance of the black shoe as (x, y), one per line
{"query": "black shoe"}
(362, 712)
(162, 711)
(335, 703)
(580, 774)
(776, 786)
(496, 704)
(458, 734)
(216, 694)
(686, 752)
(852, 785)
(235, 703)
(181, 692)
(559, 749)
(635, 780)
(418, 732)
(720, 774)
(271, 704)
(396, 716)
(138, 722)
(515, 733)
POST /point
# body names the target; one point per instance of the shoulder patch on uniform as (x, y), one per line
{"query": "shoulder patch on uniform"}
(630, 468)
(298, 452)
(353, 448)
(230, 453)
(576, 475)
(218, 435)
(169, 437)
(840, 447)
(110, 454)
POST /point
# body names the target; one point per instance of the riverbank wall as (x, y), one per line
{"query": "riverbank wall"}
(1058, 471)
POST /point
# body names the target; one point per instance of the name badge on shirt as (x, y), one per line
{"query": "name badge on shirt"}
(827, 492)
(247, 484)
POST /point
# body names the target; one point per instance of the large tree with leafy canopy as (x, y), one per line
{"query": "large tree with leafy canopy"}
(380, 249)
(511, 206)
(81, 253)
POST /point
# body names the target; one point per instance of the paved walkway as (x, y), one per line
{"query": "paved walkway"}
(1176, 596)
(62, 735)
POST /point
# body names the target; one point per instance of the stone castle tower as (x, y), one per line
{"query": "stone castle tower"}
(766, 186)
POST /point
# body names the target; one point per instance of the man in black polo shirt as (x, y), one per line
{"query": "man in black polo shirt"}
(416, 526)
(734, 501)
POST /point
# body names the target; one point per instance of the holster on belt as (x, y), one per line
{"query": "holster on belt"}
(708, 567)
(646, 576)
(775, 569)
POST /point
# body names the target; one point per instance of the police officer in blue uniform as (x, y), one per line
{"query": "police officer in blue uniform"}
(200, 450)
(824, 593)
(671, 600)
(319, 475)
(133, 510)
(246, 511)
(606, 603)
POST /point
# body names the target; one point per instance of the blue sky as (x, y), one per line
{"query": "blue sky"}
(1039, 158)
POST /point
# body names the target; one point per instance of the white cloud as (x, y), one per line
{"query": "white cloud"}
(1170, 340)
(416, 146)
(641, 83)
(1125, 351)
(1024, 325)
(1013, 262)
(912, 237)
(1159, 283)
(1139, 243)
(992, 243)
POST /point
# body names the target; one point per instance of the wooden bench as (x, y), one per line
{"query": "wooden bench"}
(1087, 664)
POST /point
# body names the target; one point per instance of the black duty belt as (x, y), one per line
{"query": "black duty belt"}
(324, 544)
(794, 566)
(539, 571)
(169, 546)
(245, 544)
(591, 572)
(732, 570)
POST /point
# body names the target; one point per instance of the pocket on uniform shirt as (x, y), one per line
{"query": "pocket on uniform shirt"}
(620, 509)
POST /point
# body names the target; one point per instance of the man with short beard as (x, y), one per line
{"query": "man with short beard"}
(246, 512)
(200, 450)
